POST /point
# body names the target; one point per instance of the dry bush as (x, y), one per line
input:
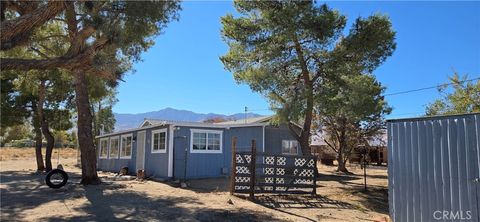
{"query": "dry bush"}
(16, 153)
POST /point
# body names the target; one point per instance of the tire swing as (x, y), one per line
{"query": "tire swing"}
(56, 178)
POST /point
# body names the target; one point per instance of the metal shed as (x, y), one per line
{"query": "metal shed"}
(434, 168)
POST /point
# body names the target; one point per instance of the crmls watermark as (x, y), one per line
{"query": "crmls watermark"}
(452, 215)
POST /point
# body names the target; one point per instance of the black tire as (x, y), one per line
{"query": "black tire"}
(56, 178)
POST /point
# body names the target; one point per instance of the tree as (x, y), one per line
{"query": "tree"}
(103, 38)
(16, 132)
(465, 97)
(13, 106)
(352, 114)
(286, 50)
(103, 95)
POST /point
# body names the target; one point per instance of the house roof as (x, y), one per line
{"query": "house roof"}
(248, 122)
(151, 123)
(261, 119)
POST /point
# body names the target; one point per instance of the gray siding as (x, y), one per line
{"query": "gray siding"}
(206, 165)
(198, 165)
(274, 136)
(156, 164)
(432, 166)
(115, 164)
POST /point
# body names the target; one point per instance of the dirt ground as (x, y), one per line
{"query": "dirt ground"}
(25, 197)
(13, 153)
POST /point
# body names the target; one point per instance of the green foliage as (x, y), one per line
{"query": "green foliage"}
(462, 97)
(13, 105)
(296, 54)
(17, 132)
(357, 98)
(275, 44)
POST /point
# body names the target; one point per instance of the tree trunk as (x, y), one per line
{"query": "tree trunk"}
(50, 143)
(341, 164)
(307, 125)
(38, 138)
(84, 125)
(342, 148)
(44, 125)
(304, 138)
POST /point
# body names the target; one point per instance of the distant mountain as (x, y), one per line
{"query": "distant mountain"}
(127, 121)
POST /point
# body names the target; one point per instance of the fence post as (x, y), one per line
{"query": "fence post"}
(234, 166)
(315, 175)
(252, 171)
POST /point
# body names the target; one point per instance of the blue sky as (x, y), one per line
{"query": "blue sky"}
(183, 69)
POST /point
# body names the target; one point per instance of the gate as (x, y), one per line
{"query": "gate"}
(254, 173)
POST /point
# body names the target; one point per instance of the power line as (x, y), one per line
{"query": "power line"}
(430, 87)
(405, 92)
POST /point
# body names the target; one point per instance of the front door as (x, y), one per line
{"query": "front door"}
(140, 151)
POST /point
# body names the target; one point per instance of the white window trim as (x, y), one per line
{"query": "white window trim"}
(101, 148)
(293, 154)
(206, 131)
(121, 146)
(110, 146)
(164, 150)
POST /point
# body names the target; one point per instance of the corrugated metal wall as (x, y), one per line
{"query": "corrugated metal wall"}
(432, 167)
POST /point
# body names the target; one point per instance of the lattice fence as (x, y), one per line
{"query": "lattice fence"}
(254, 172)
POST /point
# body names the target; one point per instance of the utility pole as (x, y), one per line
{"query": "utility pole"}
(246, 110)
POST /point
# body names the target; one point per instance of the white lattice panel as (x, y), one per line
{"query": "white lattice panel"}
(311, 163)
(280, 180)
(248, 158)
(268, 188)
(242, 179)
(281, 161)
(303, 181)
(270, 160)
(242, 169)
(306, 173)
(268, 179)
(269, 171)
(300, 161)
(281, 189)
(280, 171)
(239, 159)
(242, 187)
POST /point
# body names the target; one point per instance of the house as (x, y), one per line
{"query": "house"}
(187, 150)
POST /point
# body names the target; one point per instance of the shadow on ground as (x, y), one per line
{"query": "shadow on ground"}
(374, 199)
(23, 191)
(284, 203)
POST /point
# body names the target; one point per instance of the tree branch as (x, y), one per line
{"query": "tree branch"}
(330, 145)
(16, 32)
(39, 52)
(80, 61)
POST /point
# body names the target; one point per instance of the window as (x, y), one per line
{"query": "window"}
(159, 141)
(126, 150)
(114, 147)
(104, 148)
(290, 147)
(206, 141)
